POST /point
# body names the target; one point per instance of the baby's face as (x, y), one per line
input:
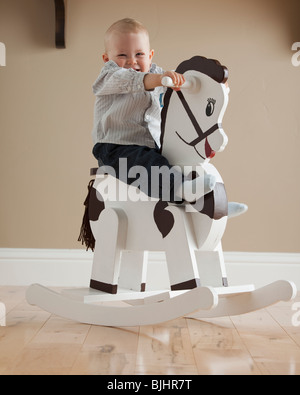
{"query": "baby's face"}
(130, 51)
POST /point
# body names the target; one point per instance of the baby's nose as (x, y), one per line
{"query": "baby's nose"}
(131, 60)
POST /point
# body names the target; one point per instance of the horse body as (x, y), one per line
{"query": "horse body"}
(144, 218)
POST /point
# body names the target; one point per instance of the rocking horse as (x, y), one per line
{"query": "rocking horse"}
(126, 224)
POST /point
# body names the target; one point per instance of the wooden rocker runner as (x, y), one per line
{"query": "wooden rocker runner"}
(126, 224)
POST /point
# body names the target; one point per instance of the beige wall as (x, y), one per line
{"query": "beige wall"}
(46, 111)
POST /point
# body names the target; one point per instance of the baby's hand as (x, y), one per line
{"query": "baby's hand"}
(178, 79)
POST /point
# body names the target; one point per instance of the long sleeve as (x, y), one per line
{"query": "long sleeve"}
(116, 80)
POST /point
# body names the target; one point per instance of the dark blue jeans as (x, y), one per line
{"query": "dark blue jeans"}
(159, 183)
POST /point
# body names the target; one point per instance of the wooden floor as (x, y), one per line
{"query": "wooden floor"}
(36, 342)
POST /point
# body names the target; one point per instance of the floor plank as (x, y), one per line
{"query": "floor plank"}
(218, 348)
(270, 346)
(165, 349)
(108, 351)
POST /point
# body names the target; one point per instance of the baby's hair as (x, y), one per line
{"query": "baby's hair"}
(126, 25)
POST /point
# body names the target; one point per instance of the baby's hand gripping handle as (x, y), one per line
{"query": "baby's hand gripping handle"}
(191, 83)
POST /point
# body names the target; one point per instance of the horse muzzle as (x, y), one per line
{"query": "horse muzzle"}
(217, 141)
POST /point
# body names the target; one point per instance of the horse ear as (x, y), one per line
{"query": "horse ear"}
(163, 218)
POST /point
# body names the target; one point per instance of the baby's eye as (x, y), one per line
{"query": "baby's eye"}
(140, 54)
(121, 55)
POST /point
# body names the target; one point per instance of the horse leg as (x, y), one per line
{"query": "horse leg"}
(211, 267)
(110, 234)
(133, 270)
(180, 252)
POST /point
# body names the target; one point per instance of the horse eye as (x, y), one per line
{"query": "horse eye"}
(210, 107)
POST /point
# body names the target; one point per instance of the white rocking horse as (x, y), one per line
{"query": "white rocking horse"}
(126, 224)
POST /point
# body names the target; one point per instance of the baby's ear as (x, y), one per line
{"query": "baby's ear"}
(151, 54)
(105, 57)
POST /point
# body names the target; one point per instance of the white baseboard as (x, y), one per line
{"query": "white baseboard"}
(72, 268)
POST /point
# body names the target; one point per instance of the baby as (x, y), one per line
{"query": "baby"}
(127, 113)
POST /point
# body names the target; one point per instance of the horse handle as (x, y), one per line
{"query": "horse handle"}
(191, 83)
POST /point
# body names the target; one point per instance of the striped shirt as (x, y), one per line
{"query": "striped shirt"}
(125, 113)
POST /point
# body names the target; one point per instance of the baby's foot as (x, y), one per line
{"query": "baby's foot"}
(192, 190)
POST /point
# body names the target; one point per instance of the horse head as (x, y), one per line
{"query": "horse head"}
(191, 125)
